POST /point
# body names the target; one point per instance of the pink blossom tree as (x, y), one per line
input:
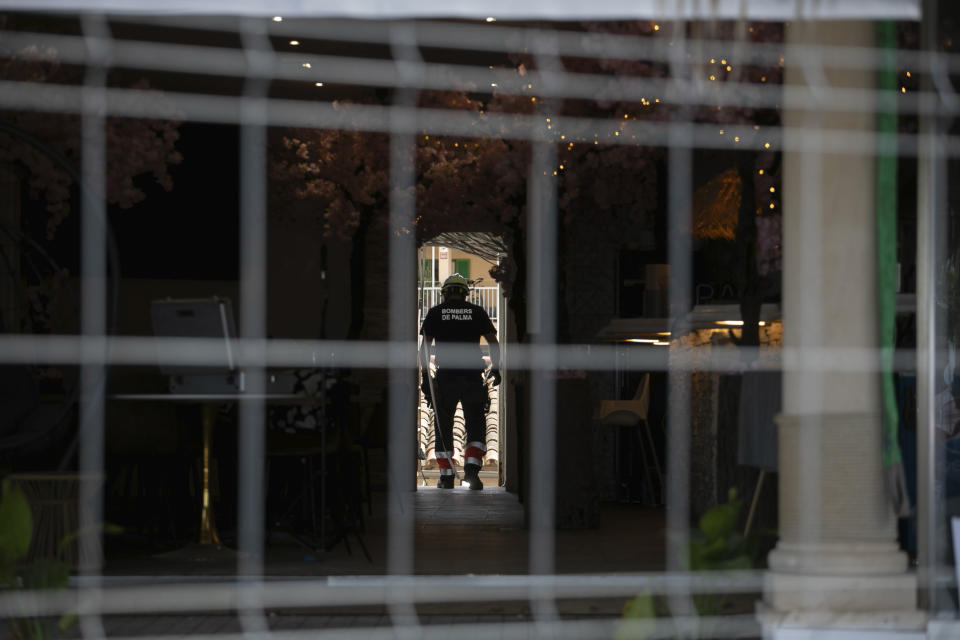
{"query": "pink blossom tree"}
(134, 146)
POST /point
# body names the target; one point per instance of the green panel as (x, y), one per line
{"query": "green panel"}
(462, 267)
(428, 272)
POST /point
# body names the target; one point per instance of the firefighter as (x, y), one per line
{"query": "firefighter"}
(449, 327)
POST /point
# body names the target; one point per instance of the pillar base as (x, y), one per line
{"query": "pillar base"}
(838, 558)
(894, 625)
(891, 594)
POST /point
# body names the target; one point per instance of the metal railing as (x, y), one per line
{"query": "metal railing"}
(486, 297)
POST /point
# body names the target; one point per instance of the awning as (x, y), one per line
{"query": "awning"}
(774, 10)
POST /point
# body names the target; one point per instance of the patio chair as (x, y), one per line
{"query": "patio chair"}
(633, 414)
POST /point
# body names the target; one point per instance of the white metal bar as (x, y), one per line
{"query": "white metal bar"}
(931, 205)
(501, 38)
(157, 597)
(732, 626)
(310, 114)
(542, 232)
(679, 252)
(149, 351)
(307, 68)
(402, 252)
(93, 270)
(530, 10)
(253, 326)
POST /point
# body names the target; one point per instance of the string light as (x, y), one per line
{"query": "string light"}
(318, 84)
(908, 74)
(763, 78)
(772, 206)
(760, 171)
(657, 100)
(491, 19)
(493, 84)
(713, 61)
(772, 190)
(729, 68)
(278, 18)
(561, 167)
(305, 65)
(624, 116)
(533, 99)
(903, 89)
(736, 138)
(766, 145)
(721, 131)
(713, 77)
(656, 27)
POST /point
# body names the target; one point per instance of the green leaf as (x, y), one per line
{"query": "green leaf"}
(741, 561)
(67, 621)
(719, 521)
(46, 573)
(16, 523)
(639, 618)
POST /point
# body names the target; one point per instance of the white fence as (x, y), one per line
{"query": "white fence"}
(486, 297)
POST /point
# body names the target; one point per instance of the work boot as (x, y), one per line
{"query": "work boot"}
(445, 482)
(471, 477)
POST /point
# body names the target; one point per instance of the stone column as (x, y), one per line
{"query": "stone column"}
(837, 551)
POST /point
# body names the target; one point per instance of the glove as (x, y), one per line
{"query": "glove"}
(425, 388)
(495, 374)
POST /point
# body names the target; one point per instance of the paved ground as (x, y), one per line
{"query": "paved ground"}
(458, 532)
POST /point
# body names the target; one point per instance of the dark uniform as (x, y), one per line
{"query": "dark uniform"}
(460, 323)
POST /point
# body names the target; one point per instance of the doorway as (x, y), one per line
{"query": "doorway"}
(437, 259)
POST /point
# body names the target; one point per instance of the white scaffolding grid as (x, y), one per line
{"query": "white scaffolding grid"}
(256, 64)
